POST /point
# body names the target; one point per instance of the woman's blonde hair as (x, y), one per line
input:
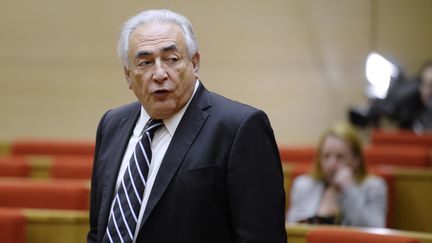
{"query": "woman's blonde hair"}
(350, 136)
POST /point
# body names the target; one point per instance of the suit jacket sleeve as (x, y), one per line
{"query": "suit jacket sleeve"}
(255, 183)
(94, 212)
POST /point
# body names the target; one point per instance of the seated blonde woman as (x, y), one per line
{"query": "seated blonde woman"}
(339, 190)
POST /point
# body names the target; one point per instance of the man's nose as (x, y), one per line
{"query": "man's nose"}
(160, 72)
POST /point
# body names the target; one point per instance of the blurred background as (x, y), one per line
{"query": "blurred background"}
(301, 61)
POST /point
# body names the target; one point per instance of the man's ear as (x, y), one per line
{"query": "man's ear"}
(195, 62)
(128, 79)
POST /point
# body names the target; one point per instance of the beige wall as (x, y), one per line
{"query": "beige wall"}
(301, 61)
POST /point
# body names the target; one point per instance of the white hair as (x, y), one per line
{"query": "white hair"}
(149, 16)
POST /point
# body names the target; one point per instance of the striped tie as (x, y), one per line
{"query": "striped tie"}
(127, 201)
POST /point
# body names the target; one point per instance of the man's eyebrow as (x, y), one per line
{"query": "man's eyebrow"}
(143, 54)
(170, 48)
(149, 53)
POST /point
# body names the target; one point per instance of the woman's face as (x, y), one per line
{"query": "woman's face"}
(335, 155)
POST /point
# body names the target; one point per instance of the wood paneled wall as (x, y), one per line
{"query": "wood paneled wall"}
(302, 61)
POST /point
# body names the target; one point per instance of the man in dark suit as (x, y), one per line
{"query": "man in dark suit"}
(214, 173)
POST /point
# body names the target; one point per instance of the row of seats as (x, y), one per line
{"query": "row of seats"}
(74, 167)
(65, 159)
(400, 148)
(44, 194)
(43, 226)
(29, 210)
(51, 210)
(400, 137)
(44, 190)
(51, 147)
(386, 148)
(398, 155)
(85, 147)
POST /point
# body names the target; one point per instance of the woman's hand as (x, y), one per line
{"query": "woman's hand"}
(344, 177)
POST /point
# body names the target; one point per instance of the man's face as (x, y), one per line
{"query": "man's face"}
(160, 73)
(426, 86)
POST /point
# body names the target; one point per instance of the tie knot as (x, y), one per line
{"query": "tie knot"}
(152, 126)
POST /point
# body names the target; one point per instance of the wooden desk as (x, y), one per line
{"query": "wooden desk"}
(53, 226)
(46, 167)
(413, 199)
(4, 148)
(297, 232)
(66, 226)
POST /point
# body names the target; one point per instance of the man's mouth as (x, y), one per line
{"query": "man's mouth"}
(161, 93)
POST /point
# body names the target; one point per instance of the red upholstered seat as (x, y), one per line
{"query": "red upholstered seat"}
(340, 235)
(78, 167)
(402, 137)
(51, 147)
(14, 166)
(414, 156)
(47, 194)
(297, 154)
(12, 226)
(389, 154)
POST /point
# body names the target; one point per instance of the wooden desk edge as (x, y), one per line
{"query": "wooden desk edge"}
(56, 216)
(302, 229)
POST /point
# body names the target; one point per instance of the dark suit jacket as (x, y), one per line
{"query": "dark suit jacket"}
(220, 180)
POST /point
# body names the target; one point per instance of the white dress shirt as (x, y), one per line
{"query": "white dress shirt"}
(159, 146)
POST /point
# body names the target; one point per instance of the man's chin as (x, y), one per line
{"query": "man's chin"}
(163, 111)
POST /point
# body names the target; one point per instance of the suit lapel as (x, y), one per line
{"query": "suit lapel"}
(189, 127)
(115, 156)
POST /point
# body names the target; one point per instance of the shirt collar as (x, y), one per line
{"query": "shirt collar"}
(171, 123)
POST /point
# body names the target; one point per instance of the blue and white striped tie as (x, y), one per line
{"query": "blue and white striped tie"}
(127, 201)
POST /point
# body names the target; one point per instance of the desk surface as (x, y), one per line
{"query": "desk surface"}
(297, 232)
